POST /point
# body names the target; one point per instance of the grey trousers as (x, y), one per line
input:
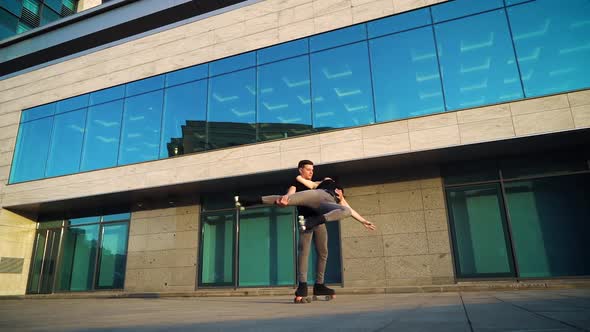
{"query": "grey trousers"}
(316, 199)
(320, 237)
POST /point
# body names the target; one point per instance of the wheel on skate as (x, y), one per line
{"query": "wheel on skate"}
(324, 297)
(301, 300)
(238, 204)
(301, 221)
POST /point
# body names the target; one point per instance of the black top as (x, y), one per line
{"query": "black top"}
(303, 210)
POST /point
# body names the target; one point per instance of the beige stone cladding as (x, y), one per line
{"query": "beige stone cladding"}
(411, 244)
(17, 235)
(162, 252)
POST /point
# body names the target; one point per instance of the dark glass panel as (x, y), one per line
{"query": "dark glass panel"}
(140, 138)
(400, 22)
(79, 251)
(338, 37)
(37, 262)
(116, 217)
(13, 6)
(145, 85)
(477, 65)
(284, 102)
(552, 40)
(550, 163)
(232, 63)
(101, 144)
(479, 231)
(113, 256)
(283, 51)
(514, 2)
(217, 248)
(48, 15)
(102, 96)
(8, 24)
(50, 224)
(66, 143)
(71, 104)
(54, 4)
(550, 229)
(406, 79)
(32, 148)
(465, 172)
(232, 109)
(38, 112)
(341, 89)
(83, 220)
(458, 8)
(187, 75)
(185, 112)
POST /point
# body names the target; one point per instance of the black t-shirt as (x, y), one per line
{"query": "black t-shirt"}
(303, 210)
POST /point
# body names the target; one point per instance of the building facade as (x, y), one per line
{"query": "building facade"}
(460, 128)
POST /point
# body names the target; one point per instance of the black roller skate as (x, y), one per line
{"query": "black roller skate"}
(301, 294)
(320, 291)
(243, 201)
(311, 222)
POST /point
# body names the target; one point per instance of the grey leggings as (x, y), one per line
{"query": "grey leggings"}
(316, 199)
(320, 237)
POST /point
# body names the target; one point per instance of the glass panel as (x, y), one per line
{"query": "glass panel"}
(37, 262)
(477, 65)
(479, 232)
(217, 254)
(551, 163)
(283, 51)
(397, 23)
(333, 273)
(50, 224)
(185, 108)
(465, 172)
(54, 4)
(66, 143)
(145, 85)
(113, 256)
(78, 259)
(48, 15)
(102, 96)
(8, 24)
(84, 220)
(232, 109)
(284, 104)
(232, 63)
(266, 247)
(186, 75)
(550, 228)
(32, 147)
(514, 2)
(71, 104)
(217, 201)
(406, 79)
(140, 139)
(341, 89)
(101, 144)
(552, 41)
(50, 261)
(458, 8)
(22, 27)
(38, 112)
(338, 37)
(31, 5)
(117, 217)
(13, 6)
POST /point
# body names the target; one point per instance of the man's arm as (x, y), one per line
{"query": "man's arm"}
(308, 183)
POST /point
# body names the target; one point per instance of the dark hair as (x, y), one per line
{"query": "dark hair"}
(304, 162)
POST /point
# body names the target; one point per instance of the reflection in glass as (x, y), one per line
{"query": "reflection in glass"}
(79, 248)
(101, 144)
(38, 112)
(283, 51)
(185, 108)
(71, 104)
(83, 220)
(116, 217)
(32, 148)
(406, 79)
(48, 15)
(217, 254)
(397, 23)
(284, 104)
(232, 109)
(552, 43)
(8, 23)
(187, 75)
(37, 262)
(338, 37)
(232, 63)
(66, 143)
(341, 89)
(458, 8)
(113, 256)
(477, 65)
(140, 138)
(102, 96)
(145, 85)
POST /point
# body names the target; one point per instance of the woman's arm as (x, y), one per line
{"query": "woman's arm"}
(308, 183)
(356, 215)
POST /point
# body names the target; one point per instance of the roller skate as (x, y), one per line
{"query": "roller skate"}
(243, 201)
(310, 222)
(320, 291)
(301, 294)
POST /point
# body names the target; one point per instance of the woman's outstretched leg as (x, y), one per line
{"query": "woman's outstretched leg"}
(309, 198)
(335, 212)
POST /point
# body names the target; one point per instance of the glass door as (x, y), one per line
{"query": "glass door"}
(44, 263)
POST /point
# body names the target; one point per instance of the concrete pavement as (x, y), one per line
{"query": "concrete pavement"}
(523, 310)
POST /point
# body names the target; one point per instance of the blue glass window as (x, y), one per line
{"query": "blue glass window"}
(103, 96)
(186, 75)
(71, 104)
(552, 41)
(83, 220)
(397, 23)
(284, 102)
(31, 151)
(341, 89)
(54, 4)
(66, 143)
(145, 85)
(48, 15)
(116, 217)
(101, 144)
(459, 8)
(140, 138)
(8, 24)
(185, 109)
(338, 37)
(283, 51)
(406, 79)
(13, 6)
(232, 109)
(38, 112)
(514, 2)
(477, 65)
(233, 63)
